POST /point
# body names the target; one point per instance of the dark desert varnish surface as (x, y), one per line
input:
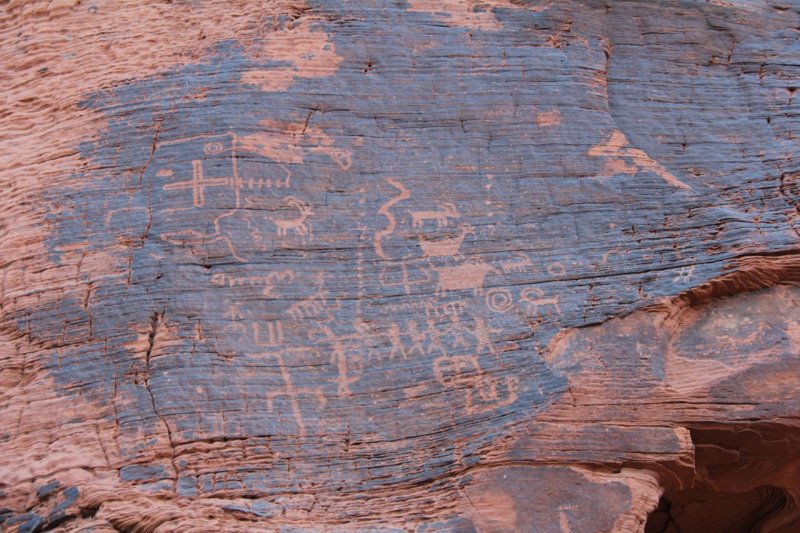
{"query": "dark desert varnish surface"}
(391, 266)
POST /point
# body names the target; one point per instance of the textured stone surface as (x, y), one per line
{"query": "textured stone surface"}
(398, 266)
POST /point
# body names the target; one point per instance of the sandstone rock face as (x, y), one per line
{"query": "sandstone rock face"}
(405, 266)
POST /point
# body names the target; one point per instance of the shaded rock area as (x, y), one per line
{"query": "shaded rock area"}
(400, 266)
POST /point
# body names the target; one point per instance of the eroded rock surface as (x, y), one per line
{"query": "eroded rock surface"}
(398, 266)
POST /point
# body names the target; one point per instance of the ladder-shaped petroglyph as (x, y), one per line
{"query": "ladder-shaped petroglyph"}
(404, 273)
(291, 392)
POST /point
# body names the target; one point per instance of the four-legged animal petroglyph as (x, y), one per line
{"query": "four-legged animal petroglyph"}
(521, 263)
(297, 224)
(440, 216)
(445, 246)
(533, 298)
(466, 276)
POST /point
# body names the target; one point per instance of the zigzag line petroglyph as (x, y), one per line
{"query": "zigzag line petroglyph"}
(384, 210)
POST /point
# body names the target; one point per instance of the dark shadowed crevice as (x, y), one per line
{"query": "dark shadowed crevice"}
(747, 481)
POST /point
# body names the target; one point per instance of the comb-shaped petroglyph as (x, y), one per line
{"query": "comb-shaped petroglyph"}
(267, 281)
(270, 333)
(313, 306)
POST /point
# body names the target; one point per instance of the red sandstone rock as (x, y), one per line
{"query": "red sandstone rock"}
(399, 266)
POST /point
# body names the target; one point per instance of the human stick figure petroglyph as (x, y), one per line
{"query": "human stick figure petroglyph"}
(685, 275)
(385, 211)
(339, 358)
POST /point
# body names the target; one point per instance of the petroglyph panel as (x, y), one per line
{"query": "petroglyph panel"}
(288, 262)
(350, 241)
